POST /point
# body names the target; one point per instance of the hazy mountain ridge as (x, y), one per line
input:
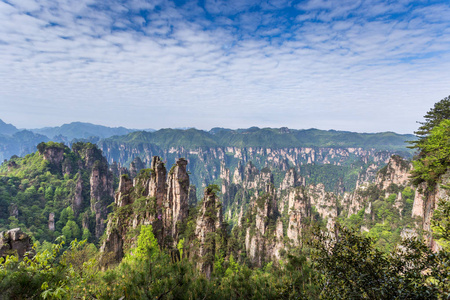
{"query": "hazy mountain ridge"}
(315, 152)
(82, 130)
(268, 137)
(7, 129)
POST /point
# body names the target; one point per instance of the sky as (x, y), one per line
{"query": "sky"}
(364, 66)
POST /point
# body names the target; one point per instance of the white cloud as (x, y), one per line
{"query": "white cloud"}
(346, 65)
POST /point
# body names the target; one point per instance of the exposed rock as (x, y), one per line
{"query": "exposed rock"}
(149, 199)
(54, 154)
(176, 206)
(395, 172)
(102, 193)
(262, 241)
(299, 207)
(51, 221)
(419, 199)
(13, 210)
(209, 222)
(77, 201)
(325, 203)
(118, 170)
(426, 204)
(14, 242)
(135, 166)
(157, 185)
(238, 175)
(123, 196)
(290, 180)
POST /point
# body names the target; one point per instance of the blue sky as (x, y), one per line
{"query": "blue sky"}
(365, 66)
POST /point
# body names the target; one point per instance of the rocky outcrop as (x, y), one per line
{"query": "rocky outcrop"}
(299, 208)
(205, 162)
(54, 154)
(51, 221)
(157, 184)
(150, 198)
(136, 166)
(15, 242)
(209, 223)
(176, 206)
(13, 210)
(86, 161)
(395, 172)
(291, 179)
(77, 201)
(102, 192)
(264, 237)
(426, 201)
(118, 170)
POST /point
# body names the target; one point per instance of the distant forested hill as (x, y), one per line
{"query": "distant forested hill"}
(267, 138)
(319, 155)
(7, 129)
(77, 130)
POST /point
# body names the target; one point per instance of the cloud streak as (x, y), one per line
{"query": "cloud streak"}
(362, 66)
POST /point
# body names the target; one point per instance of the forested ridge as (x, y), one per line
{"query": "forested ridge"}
(338, 262)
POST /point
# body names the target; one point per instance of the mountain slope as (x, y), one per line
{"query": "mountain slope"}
(82, 130)
(7, 129)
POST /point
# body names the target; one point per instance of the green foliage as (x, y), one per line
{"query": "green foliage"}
(44, 275)
(213, 189)
(34, 189)
(147, 245)
(440, 224)
(440, 112)
(435, 156)
(180, 247)
(352, 268)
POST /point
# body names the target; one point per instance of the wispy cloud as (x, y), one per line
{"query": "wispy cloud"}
(353, 65)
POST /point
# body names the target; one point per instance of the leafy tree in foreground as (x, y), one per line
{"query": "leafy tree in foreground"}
(352, 268)
(435, 156)
(440, 112)
(434, 117)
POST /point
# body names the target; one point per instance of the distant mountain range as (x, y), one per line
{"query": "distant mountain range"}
(14, 141)
(79, 130)
(266, 138)
(7, 129)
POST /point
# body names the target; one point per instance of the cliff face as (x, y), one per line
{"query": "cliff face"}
(176, 208)
(390, 180)
(426, 201)
(101, 184)
(86, 161)
(208, 225)
(151, 198)
(102, 192)
(269, 219)
(396, 172)
(206, 163)
(272, 219)
(392, 185)
(14, 242)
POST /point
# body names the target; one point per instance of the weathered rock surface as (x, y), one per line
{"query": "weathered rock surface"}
(14, 242)
(150, 198)
(208, 224)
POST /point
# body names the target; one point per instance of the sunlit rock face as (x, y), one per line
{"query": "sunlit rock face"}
(152, 197)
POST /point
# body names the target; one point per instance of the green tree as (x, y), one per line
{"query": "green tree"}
(71, 231)
(352, 268)
(435, 156)
(440, 112)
